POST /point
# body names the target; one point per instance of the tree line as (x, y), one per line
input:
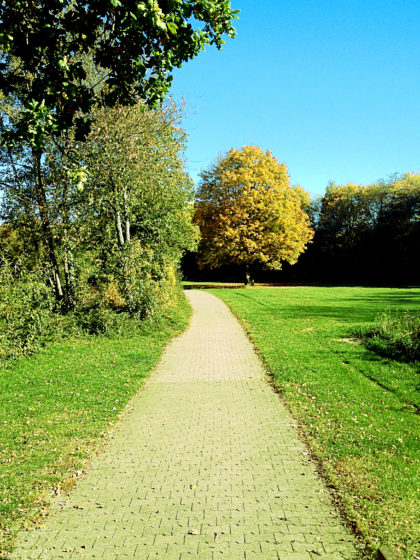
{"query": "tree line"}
(251, 217)
(365, 234)
(95, 204)
(107, 238)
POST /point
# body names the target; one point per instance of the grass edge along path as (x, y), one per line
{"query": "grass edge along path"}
(355, 408)
(60, 405)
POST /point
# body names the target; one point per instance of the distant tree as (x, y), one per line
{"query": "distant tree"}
(344, 218)
(133, 44)
(396, 237)
(368, 233)
(248, 214)
(304, 196)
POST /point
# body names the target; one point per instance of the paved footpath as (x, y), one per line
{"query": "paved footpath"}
(207, 465)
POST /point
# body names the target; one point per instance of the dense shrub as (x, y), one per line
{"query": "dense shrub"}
(27, 316)
(108, 231)
(140, 285)
(396, 335)
(30, 316)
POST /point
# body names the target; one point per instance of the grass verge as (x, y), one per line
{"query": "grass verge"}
(358, 411)
(58, 406)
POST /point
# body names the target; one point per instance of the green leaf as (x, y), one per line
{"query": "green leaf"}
(160, 23)
(172, 27)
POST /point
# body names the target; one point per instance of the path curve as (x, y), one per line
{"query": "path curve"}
(207, 465)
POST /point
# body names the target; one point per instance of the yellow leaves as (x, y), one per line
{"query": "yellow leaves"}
(112, 296)
(247, 211)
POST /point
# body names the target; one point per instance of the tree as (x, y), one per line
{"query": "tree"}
(396, 237)
(120, 228)
(29, 205)
(367, 233)
(60, 59)
(305, 198)
(248, 213)
(133, 44)
(137, 204)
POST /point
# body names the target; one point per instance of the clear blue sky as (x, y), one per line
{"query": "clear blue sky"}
(331, 87)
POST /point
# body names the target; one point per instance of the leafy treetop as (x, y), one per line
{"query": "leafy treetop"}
(248, 213)
(135, 43)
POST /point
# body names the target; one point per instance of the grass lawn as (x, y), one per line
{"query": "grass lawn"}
(208, 285)
(358, 411)
(58, 405)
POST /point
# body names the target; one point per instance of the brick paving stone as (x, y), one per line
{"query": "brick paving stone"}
(207, 464)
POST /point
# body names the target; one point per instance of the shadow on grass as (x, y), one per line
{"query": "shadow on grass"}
(345, 309)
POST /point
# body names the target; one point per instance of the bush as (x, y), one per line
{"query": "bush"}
(146, 279)
(97, 320)
(27, 315)
(395, 335)
(107, 303)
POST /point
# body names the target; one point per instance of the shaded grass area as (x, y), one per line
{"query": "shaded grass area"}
(395, 335)
(358, 410)
(60, 404)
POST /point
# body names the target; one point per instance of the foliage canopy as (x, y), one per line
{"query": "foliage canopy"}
(248, 213)
(104, 241)
(367, 233)
(136, 44)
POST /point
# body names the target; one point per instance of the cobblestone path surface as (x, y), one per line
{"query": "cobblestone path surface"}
(207, 465)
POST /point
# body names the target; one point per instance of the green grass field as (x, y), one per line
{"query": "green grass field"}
(357, 410)
(60, 404)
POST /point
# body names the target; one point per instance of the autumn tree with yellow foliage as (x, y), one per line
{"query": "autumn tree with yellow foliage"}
(248, 213)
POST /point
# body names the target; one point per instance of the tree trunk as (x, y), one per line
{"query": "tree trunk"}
(126, 218)
(249, 281)
(69, 292)
(47, 234)
(68, 276)
(120, 233)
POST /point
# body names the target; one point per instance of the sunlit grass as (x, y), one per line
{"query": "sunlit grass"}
(58, 405)
(358, 410)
